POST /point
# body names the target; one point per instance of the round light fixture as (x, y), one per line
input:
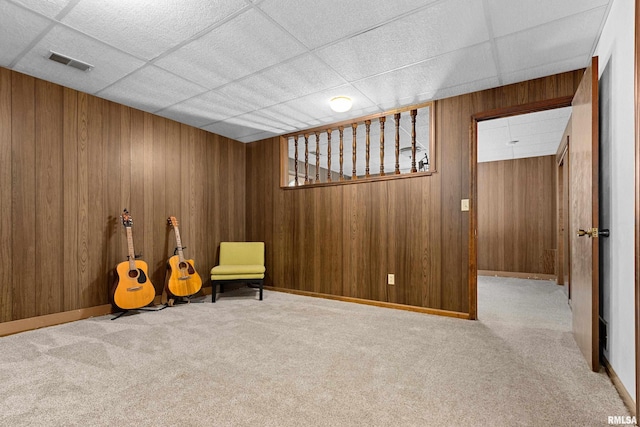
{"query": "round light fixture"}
(340, 104)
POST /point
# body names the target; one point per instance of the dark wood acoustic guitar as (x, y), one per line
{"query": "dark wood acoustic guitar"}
(184, 280)
(133, 288)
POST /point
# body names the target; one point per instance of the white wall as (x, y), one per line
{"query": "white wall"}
(616, 49)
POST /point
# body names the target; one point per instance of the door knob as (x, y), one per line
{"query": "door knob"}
(593, 232)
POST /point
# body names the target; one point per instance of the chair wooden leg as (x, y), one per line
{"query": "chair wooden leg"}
(261, 282)
(213, 291)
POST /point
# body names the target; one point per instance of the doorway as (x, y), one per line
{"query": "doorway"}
(518, 208)
(475, 121)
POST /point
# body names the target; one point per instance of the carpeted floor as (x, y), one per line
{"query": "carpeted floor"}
(299, 361)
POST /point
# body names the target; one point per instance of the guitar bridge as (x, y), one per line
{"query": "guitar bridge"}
(184, 278)
(136, 288)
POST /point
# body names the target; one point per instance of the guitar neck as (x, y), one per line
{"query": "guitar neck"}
(132, 255)
(179, 244)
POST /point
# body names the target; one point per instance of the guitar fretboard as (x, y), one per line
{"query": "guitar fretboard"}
(132, 256)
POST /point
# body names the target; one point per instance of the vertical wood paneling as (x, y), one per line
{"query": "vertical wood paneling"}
(97, 223)
(157, 222)
(413, 228)
(49, 198)
(70, 163)
(23, 183)
(84, 274)
(6, 218)
(70, 201)
(516, 214)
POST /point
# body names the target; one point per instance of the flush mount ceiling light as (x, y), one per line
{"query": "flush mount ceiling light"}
(513, 142)
(340, 104)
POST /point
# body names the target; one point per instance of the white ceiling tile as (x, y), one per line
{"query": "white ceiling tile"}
(317, 105)
(109, 64)
(49, 8)
(441, 28)
(151, 89)
(550, 43)
(316, 23)
(431, 75)
(290, 80)
(18, 29)
(238, 48)
(510, 16)
(147, 28)
(204, 109)
(257, 136)
(537, 134)
(245, 126)
(546, 69)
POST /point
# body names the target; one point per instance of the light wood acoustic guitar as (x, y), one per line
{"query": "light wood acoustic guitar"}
(184, 280)
(133, 288)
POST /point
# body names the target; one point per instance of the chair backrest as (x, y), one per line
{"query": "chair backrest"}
(242, 253)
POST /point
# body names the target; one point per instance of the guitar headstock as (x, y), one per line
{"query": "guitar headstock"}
(127, 221)
(172, 221)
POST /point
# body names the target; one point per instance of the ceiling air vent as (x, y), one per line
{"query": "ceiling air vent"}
(82, 66)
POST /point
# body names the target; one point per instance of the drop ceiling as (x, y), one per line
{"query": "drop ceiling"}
(252, 69)
(526, 135)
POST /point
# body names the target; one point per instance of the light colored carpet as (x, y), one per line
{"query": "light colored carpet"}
(299, 361)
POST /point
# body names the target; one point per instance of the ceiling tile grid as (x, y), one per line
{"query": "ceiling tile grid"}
(18, 29)
(240, 47)
(151, 89)
(316, 23)
(110, 64)
(251, 68)
(444, 27)
(147, 28)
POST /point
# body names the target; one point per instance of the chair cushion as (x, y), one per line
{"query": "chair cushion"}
(215, 277)
(242, 270)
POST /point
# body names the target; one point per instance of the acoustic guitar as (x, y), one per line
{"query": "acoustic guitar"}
(184, 280)
(133, 288)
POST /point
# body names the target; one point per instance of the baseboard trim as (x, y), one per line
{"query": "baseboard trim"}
(424, 310)
(22, 325)
(516, 275)
(622, 391)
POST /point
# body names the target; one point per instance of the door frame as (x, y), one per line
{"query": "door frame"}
(533, 107)
(637, 197)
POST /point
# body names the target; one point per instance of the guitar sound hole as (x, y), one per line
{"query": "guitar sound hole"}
(133, 273)
(182, 265)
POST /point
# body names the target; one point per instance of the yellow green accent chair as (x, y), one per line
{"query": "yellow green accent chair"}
(240, 262)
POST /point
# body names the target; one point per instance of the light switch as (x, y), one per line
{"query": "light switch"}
(464, 205)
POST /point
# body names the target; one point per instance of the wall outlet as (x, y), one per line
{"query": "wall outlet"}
(391, 279)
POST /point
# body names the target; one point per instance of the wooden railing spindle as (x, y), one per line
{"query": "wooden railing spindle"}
(397, 118)
(382, 120)
(367, 124)
(329, 155)
(296, 161)
(317, 156)
(413, 140)
(354, 126)
(341, 129)
(306, 158)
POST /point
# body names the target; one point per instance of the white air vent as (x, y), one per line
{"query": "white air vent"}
(58, 57)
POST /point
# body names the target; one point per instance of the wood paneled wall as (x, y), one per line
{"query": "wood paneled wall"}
(344, 240)
(70, 163)
(517, 215)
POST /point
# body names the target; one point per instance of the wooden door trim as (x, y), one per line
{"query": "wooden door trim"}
(497, 113)
(637, 196)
